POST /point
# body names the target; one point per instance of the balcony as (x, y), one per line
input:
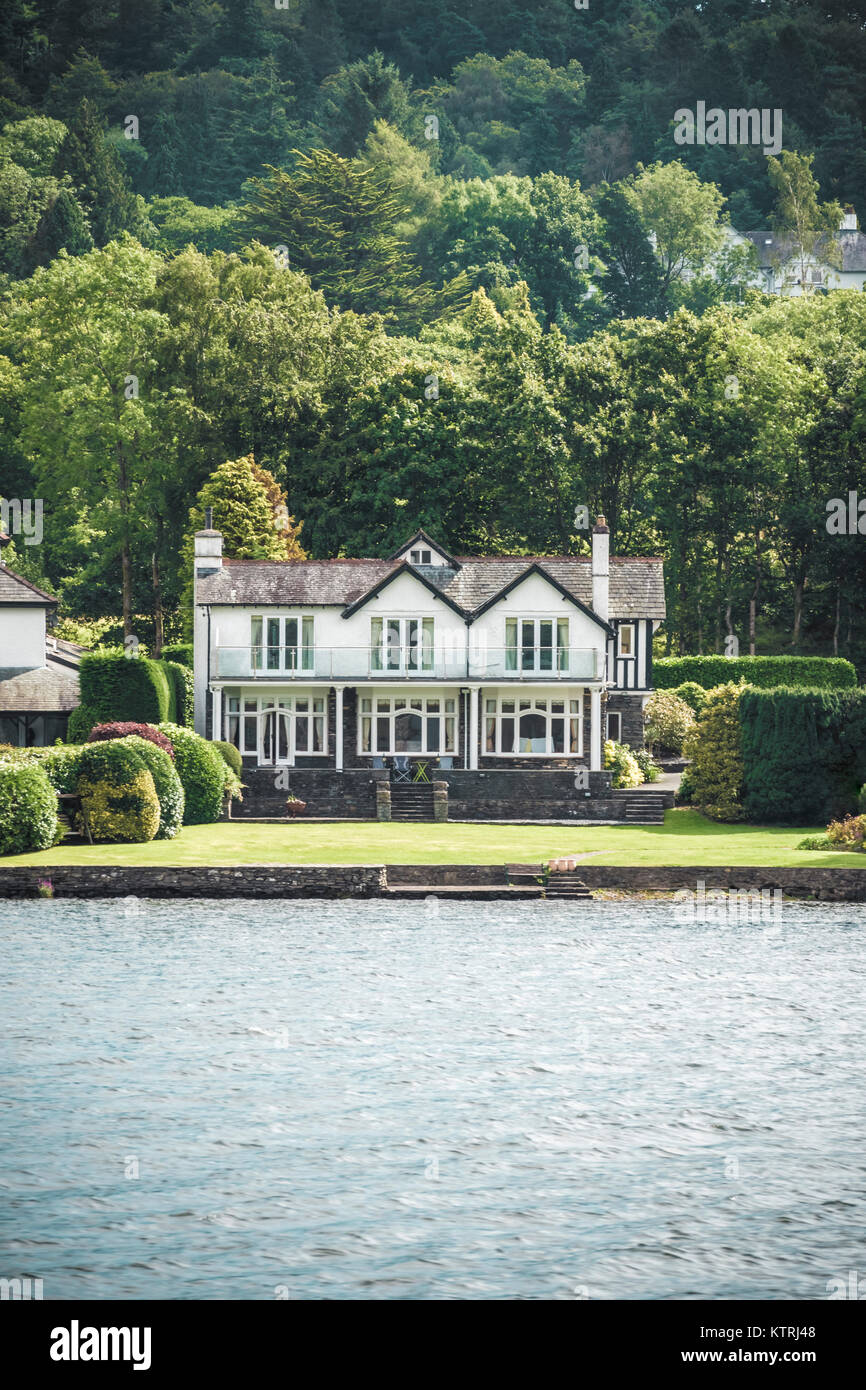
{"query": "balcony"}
(479, 662)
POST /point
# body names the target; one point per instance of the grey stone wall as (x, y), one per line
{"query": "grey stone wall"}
(250, 881)
(631, 709)
(531, 794)
(327, 793)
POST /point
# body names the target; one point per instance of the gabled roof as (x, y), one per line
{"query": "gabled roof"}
(636, 587)
(50, 689)
(420, 575)
(17, 590)
(536, 568)
(775, 250)
(421, 535)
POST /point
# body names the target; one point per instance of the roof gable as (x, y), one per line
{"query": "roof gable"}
(536, 568)
(14, 589)
(420, 578)
(421, 538)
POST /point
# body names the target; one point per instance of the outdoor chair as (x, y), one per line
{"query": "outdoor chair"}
(401, 769)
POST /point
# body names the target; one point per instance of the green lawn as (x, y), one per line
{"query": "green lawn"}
(685, 838)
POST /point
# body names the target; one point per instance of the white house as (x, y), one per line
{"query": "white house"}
(465, 662)
(779, 269)
(38, 673)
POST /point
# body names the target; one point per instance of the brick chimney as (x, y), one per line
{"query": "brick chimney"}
(600, 568)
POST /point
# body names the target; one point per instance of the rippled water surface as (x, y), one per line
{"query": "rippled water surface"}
(389, 1100)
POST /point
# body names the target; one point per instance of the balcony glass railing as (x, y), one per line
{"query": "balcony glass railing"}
(415, 662)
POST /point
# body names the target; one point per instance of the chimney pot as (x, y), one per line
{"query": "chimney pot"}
(208, 518)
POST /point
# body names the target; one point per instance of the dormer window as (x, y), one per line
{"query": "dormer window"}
(420, 557)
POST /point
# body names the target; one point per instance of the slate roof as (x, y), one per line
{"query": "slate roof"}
(636, 583)
(774, 250)
(14, 589)
(51, 689)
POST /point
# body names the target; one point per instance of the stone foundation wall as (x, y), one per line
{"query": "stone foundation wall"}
(631, 709)
(327, 793)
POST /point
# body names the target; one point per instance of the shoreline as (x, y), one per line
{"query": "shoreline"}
(408, 882)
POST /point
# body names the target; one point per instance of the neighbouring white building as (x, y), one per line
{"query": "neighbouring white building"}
(38, 673)
(780, 271)
(469, 662)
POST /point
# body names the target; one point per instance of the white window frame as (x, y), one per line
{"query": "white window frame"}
(421, 557)
(626, 627)
(403, 645)
(291, 655)
(245, 714)
(572, 702)
(558, 648)
(370, 714)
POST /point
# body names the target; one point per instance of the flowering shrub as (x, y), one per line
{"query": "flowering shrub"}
(650, 770)
(623, 764)
(848, 832)
(123, 729)
(667, 720)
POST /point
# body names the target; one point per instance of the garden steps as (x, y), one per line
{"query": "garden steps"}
(642, 806)
(566, 883)
(409, 801)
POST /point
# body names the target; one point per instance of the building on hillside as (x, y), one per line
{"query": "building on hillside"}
(780, 270)
(464, 664)
(38, 672)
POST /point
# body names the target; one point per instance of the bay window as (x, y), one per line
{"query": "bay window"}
(398, 724)
(533, 726)
(276, 729)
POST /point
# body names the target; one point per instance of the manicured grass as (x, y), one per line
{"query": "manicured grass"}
(685, 838)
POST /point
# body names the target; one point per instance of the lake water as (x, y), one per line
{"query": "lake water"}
(373, 1100)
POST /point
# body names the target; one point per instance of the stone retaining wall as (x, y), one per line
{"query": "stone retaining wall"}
(250, 881)
(823, 882)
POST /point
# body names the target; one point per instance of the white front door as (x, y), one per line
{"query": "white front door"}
(275, 738)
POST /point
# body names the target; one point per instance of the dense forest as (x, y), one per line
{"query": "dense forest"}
(437, 269)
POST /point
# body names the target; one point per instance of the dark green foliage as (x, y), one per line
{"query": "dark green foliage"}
(178, 651)
(804, 753)
(202, 772)
(694, 695)
(61, 765)
(182, 686)
(117, 687)
(231, 755)
(827, 673)
(81, 721)
(167, 785)
(28, 809)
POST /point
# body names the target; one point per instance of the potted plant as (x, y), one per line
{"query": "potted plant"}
(294, 805)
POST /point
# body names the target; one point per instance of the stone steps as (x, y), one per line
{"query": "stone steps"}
(411, 802)
(567, 884)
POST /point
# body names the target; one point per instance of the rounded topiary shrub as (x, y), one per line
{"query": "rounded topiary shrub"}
(694, 695)
(167, 785)
(231, 755)
(60, 763)
(117, 793)
(202, 771)
(28, 809)
(81, 721)
(102, 733)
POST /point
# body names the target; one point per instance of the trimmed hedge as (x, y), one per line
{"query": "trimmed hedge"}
(815, 672)
(166, 783)
(182, 683)
(180, 652)
(81, 721)
(804, 753)
(103, 733)
(202, 771)
(120, 687)
(118, 793)
(28, 809)
(60, 764)
(231, 755)
(715, 778)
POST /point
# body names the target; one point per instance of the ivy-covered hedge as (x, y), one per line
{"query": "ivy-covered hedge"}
(117, 792)
(816, 672)
(28, 809)
(804, 753)
(203, 773)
